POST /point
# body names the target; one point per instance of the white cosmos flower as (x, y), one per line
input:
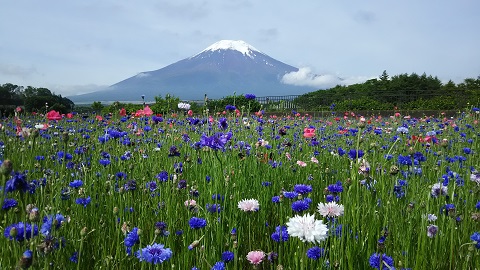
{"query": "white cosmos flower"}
(307, 228)
(331, 209)
(250, 205)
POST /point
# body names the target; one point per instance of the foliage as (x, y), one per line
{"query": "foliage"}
(33, 99)
(240, 102)
(403, 91)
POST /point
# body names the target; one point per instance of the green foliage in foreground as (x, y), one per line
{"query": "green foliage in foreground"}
(377, 202)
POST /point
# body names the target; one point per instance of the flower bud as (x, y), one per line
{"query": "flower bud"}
(6, 167)
(13, 232)
(83, 232)
(65, 136)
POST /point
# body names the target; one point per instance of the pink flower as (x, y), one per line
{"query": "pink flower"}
(147, 111)
(53, 115)
(190, 113)
(301, 163)
(331, 209)
(309, 132)
(123, 112)
(256, 257)
(250, 205)
(314, 160)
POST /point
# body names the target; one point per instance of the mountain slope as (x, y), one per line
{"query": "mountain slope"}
(219, 70)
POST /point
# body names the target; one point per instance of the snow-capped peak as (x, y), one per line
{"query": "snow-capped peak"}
(237, 45)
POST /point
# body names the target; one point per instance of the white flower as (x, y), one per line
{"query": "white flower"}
(439, 189)
(250, 205)
(184, 106)
(331, 209)
(475, 177)
(307, 228)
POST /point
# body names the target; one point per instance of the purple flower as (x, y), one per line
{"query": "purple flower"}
(9, 203)
(155, 254)
(17, 182)
(197, 223)
(301, 205)
(476, 237)
(380, 261)
(20, 231)
(315, 253)
(302, 189)
(76, 183)
(280, 234)
(250, 96)
(227, 256)
(83, 201)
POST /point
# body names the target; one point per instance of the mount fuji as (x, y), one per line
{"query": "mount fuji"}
(221, 69)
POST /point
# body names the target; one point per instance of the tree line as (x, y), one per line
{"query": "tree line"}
(32, 99)
(403, 91)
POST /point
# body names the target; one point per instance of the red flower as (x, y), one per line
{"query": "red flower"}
(123, 112)
(53, 115)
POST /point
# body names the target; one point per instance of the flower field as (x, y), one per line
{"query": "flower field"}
(235, 190)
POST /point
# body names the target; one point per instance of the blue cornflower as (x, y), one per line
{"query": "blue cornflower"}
(17, 182)
(222, 123)
(50, 220)
(104, 162)
(280, 234)
(315, 253)
(217, 141)
(9, 203)
(379, 261)
(173, 151)
(218, 266)
(476, 237)
(197, 223)
(20, 231)
(250, 96)
(213, 208)
(354, 154)
(227, 256)
(83, 201)
(404, 160)
(74, 257)
(76, 183)
(302, 189)
(130, 185)
(290, 194)
(131, 239)
(275, 199)
(162, 176)
(155, 254)
(335, 188)
(230, 108)
(301, 205)
(152, 186)
(478, 205)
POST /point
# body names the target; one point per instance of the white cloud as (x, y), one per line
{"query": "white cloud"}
(305, 77)
(73, 90)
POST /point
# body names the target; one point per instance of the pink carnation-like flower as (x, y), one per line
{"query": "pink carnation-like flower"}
(256, 257)
(250, 205)
(331, 209)
(308, 132)
(301, 163)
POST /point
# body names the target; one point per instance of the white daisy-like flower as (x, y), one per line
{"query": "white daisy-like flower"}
(184, 106)
(331, 209)
(250, 205)
(307, 228)
(475, 177)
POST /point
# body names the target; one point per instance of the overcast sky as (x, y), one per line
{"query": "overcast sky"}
(74, 47)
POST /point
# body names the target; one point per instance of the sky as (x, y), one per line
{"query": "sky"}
(74, 47)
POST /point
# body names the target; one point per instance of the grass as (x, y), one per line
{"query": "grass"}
(127, 193)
